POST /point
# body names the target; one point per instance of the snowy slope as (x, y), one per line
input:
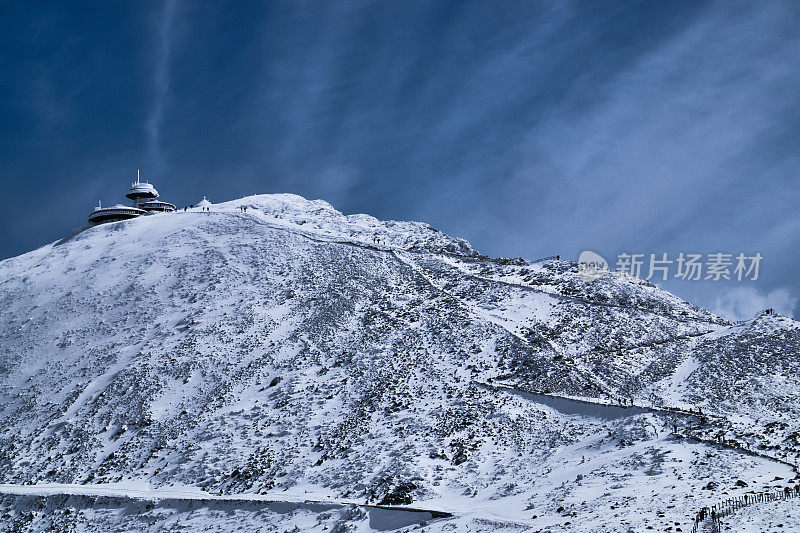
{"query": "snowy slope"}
(289, 349)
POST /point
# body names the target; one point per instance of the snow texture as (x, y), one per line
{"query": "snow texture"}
(287, 366)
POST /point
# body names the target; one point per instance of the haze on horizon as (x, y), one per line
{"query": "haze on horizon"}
(528, 129)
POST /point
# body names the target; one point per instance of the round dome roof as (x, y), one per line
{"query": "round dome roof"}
(142, 190)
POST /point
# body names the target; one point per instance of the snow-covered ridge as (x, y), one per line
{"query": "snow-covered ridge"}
(319, 217)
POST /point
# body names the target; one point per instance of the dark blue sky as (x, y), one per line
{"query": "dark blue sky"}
(528, 128)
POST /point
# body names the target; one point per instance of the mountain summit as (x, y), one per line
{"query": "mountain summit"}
(274, 349)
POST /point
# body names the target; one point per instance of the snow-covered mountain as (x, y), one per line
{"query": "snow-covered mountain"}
(287, 352)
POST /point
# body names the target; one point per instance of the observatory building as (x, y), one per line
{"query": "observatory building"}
(144, 197)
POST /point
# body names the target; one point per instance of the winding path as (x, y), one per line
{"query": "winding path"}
(703, 519)
(187, 494)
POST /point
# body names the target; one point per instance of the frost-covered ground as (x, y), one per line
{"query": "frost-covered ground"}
(772, 517)
(299, 354)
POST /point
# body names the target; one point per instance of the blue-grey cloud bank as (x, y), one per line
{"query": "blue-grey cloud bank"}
(529, 128)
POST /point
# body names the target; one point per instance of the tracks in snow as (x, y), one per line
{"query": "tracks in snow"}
(333, 239)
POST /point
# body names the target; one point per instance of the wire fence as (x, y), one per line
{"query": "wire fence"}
(710, 518)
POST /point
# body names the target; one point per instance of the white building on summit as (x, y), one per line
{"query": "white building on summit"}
(144, 197)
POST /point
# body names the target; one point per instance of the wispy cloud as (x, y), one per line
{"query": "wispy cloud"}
(743, 303)
(669, 140)
(161, 82)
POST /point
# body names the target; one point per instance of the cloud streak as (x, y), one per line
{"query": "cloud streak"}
(666, 142)
(160, 84)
